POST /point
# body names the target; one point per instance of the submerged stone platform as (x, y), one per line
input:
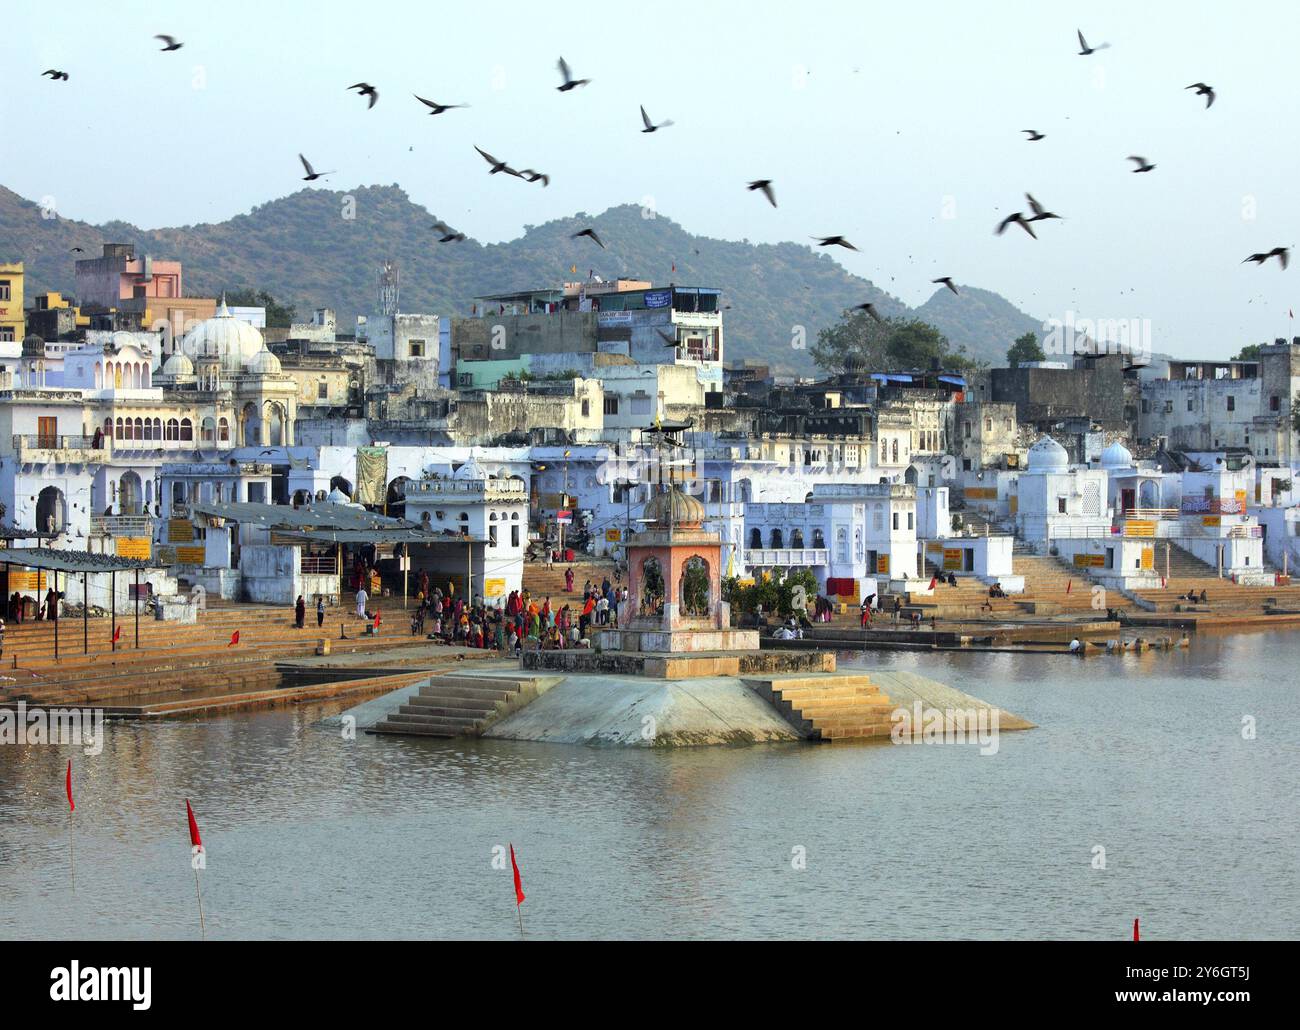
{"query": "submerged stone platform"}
(678, 665)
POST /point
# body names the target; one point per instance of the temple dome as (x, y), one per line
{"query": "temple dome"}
(471, 470)
(674, 508)
(337, 496)
(178, 366)
(1116, 456)
(232, 340)
(1048, 456)
(264, 363)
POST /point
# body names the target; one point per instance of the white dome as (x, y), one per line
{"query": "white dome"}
(337, 496)
(121, 340)
(233, 341)
(470, 470)
(1048, 456)
(264, 363)
(178, 365)
(1116, 456)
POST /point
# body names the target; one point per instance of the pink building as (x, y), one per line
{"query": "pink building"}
(117, 276)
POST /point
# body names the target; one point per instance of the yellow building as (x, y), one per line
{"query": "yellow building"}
(12, 323)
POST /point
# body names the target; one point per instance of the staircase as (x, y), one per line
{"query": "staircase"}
(834, 707)
(542, 582)
(459, 706)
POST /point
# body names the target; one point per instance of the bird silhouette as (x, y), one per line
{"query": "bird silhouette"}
(591, 233)
(1084, 49)
(1034, 135)
(651, 126)
(568, 81)
(1019, 219)
(312, 175)
(449, 235)
(1283, 255)
(1040, 212)
(834, 241)
(435, 107)
(870, 309)
(947, 281)
(1202, 90)
(533, 176)
(54, 74)
(1142, 164)
(170, 43)
(364, 89)
(497, 166)
(78, 250)
(765, 185)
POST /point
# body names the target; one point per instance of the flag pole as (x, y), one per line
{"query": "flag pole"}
(199, 895)
(72, 858)
(520, 913)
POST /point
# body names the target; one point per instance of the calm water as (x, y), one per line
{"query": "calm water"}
(309, 835)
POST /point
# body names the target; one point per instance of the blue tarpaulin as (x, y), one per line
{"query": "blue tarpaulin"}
(955, 380)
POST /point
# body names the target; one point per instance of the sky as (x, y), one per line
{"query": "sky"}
(897, 125)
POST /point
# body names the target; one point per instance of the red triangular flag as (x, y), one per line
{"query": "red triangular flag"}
(1135, 929)
(234, 639)
(72, 805)
(117, 634)
(934, 581)
(195, 840)
(519, 887)
(377, 614)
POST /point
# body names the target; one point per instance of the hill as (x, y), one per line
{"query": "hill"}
(303, 251)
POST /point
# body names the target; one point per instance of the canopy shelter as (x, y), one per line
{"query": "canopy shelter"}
(84, 562)
(283, 517)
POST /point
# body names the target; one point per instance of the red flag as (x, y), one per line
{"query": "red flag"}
(72, 805)
(674, 266)
(1068, 584)
(519, 887)
(117, 634)
(234, 639)
(1135, 929)
(195, 840)
(377, 614)
(934, 581)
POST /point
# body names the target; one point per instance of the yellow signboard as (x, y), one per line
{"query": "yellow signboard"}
(494, 587)
(934, 547)
(1139, 527)
(981, 493)
(190, 555)
(30, 580)
(952, 558)
(139, 547)
(180, 530)
(1089, 561)
(1211, 520)
(882, 563)
(613, 536)
(1148, 557)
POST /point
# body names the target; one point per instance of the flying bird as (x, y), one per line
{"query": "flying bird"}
(569, 82)
(834, 241)
(364, 89)
(947, 281)
(532, 176)
(1202, 90)
(312, 175)
(651, 126)
(55, 74)
(435, 107)
(497, 166)
(765, 185)
(449, 235)
(1084, 49)
(591, 233)
(171, 43)
(1040, 212)
(1034, 135)
(870, 309)
(1142, 164)
(78, 250)
(1019, 219)
(1283, 255)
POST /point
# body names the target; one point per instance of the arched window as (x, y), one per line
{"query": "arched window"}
(173, 431)
(187, 430)
(223, 430)
(796, 538)
(895, 450)
(776, 539)
(208, 430)
(148, 429)
(819, 538)
(756, 538)
(139, 429)
(108, 428)
(157, 429)
(117, 432)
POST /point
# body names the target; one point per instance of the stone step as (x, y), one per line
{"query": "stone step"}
(436, 690)
(787, 684)
(475, 714)
(866, 711)
(417, 730)
(462, 723)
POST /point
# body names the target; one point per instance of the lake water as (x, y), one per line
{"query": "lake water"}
(309, 835)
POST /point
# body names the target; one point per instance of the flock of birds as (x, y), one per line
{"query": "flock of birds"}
(569, 82)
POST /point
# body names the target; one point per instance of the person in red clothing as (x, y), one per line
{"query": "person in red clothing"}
(584, 620)
(568, 581)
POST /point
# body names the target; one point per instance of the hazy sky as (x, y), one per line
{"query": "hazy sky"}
(894, 124)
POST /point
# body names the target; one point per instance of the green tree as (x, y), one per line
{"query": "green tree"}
(891, 343)
(1250, 352)
(279, 316)
(1026, 348)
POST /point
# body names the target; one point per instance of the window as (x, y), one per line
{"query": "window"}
(1232, 403)
(586, 407)
(256, 493)
(910, 520)
(187, 430)
(492, 536)
(966, 429)
(223, 431)
(1275, 403)
(6, 334)
(514, 535)
(1169, 407)
(322, 390)
(1146, 405)
(416, 348)
(611, 405)
(1060, 505)
(895, 520)
(4, 289)
(1191, 406)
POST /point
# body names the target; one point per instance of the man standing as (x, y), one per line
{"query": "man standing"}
(362, 598)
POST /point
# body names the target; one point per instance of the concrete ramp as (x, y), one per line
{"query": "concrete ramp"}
(638, 712)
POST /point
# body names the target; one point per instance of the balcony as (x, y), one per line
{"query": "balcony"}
(44, 448)
(785, 557)
(121, 525)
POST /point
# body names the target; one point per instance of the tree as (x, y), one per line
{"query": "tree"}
(1026, 348)
(278, 315)
(1250, 352)
(892, 343)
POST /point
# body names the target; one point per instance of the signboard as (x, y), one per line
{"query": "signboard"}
(1087, 561)
(613, 536)
(190, 555)
(952, 558)
(564, 517)
(180, 530)
(934, 547)
(658, 298)
(29, 580)
(1140, 527)
(138, 547)
(494, 587)
(1211, 520)
(1148, 557)
(882, 563)
(981, 493)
